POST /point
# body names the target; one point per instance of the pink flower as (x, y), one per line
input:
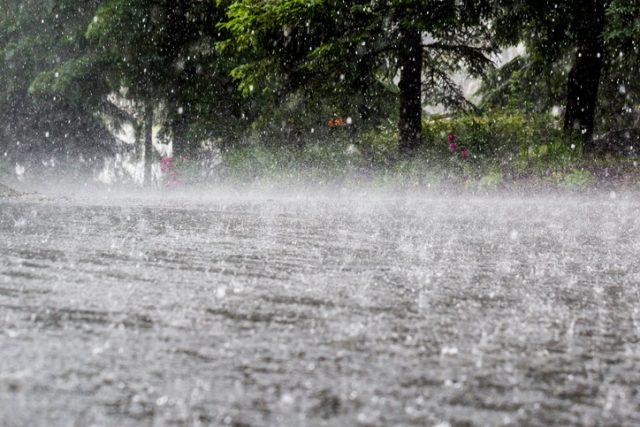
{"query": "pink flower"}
(166, 163)
(464, 153)
(173, 173)
(453, 147)
(451, 137)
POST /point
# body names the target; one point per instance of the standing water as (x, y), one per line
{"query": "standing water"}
(366, 310)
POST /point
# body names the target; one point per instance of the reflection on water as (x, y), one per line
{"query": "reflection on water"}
(332, 311)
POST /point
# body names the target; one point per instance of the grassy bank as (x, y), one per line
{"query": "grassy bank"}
(478, 153)
(468, 153)
(312, 166)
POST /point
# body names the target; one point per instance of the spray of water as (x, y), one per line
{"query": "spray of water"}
(248, 305)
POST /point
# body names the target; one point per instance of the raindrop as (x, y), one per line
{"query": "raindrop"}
(221, 292)
(287, 399)
(449, 351)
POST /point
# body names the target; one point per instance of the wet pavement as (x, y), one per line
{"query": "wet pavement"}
(363, 309)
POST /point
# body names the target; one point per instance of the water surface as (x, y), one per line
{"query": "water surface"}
(320, 310)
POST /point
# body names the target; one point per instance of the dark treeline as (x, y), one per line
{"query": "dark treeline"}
(225, 71)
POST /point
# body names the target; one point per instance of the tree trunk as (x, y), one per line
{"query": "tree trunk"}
(178, 127)
(410, 58)
(148, 144)
(584, 77)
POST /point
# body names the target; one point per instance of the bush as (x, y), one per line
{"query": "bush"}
(380, 146)
(577, 179)
(490, 182)
(321, 161)
(501, 147)
(517, 144)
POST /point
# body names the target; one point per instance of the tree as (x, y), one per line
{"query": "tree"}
(296, 45)
(527, 83)
(584, 78)
(595, 40)
(158, 55)
(35, 37)
(620, 89)
(557, 33)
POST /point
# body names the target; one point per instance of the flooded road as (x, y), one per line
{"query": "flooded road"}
(321, 311)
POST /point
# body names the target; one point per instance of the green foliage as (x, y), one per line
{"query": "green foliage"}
(322, 162)
(346, 53)
(578, 179)
(528, 84)
(537, 81)
(504, 148)
(624, 21)
(490, 182)
(73, 81)
(620, 91)
(489, 136)
(39, 126)
(380, 145)
(162, 54)
(260, 80)
(546, 27)
(515, 143)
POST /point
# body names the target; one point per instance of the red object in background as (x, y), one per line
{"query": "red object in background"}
(453, 147)
(451, 137)
(464, 153)
(336, 122)
(166, 163)
(167, 166)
